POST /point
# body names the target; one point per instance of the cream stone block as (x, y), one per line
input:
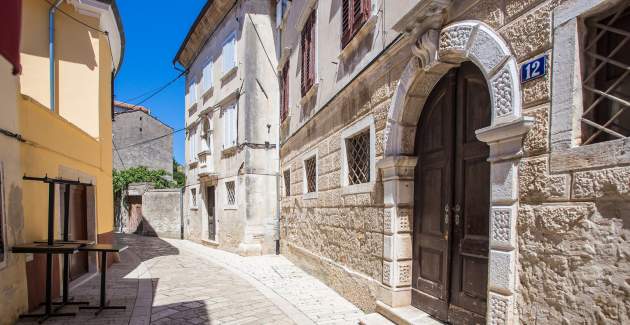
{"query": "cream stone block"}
(503, 227)
(455, 38)
(501, 271)
(388, 248)
(499, 309)
(387, 273)
(404, 219)
(404, 273)
(389, 222)
(504, 182)
(506, 94)
(403, 246)
(397, 192)
(488, 50)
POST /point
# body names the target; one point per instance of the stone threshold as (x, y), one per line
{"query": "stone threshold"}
(407, 315)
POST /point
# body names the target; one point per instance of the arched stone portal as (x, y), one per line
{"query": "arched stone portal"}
(436, 52)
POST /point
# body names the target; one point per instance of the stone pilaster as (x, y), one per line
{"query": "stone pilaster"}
(398, 177)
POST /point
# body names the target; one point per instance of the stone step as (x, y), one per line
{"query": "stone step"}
(406, 315)
(374, 319)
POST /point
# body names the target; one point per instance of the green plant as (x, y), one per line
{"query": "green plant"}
(122, 178)
(178, 175)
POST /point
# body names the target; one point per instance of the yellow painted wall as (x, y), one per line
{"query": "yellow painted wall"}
(79, 134)
(77, 61)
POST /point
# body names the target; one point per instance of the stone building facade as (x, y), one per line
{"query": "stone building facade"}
(531, 227)
(232, 123)
(140, 139)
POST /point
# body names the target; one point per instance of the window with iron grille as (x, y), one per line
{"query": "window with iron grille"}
(193, 198)
(310, 168)
(308, 54)
(606, 77)
(354, 14)
(287, 183)
(284, 109)
(358, 156)
(231, 193)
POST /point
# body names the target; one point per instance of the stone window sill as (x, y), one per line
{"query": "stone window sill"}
(194, 208)
(230, 207)
(310, 93)
(358, 188)
(229, 73)
(193, 106)
(193, 163)
(367, 27)
(310, 196)
(607, 154)
(208, 93)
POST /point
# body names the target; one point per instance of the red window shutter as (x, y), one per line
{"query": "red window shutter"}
(284, 112)
(308, 54)
(354, 14)
(11, 17)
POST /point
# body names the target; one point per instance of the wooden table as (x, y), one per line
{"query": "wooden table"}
(103, 249)
(49, 250)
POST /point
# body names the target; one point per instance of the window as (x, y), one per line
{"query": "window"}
(354, 14)
(192, 144)
(3, 247)
(229, 53)
(284, 105)
(281, 9)
(230, 126)
(310, 170)
(308, 54)
(192, 93)
(193, 198)
(606, 77)
(207, 77)
(358, 155)
(230, 193)
(287, 183)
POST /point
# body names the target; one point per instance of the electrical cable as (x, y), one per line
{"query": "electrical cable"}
(151, 140)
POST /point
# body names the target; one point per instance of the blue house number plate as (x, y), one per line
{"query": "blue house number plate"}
(534, 69)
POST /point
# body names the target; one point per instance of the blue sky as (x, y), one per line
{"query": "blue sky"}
(153, 31)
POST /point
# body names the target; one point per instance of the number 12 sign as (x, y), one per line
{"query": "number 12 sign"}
(534, 69)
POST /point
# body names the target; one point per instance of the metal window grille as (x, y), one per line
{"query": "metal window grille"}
(193, 197)
(358, 153)
(231, 194)
(287, 183)
(311, 174)
(606, 86)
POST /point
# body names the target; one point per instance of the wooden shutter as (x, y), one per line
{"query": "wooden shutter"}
(308, 54)
(354, 13)
(284, 109)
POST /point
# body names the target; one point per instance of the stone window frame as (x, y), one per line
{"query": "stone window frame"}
(194, 200)
(228, 205)
(350, 131)
(306, 194)
(3, 221)
(566, 152)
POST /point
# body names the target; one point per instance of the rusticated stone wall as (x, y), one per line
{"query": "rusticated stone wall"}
(337, 235)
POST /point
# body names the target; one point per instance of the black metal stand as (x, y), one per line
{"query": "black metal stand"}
(103, 304)
(48, 312)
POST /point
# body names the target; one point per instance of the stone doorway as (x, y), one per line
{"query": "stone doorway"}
(436, 51)
(452, 193)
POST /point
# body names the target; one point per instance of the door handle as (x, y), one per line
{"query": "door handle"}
(446, 213)
(457, 208)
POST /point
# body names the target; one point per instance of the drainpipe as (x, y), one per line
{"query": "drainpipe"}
(181, 211)
(51, 50)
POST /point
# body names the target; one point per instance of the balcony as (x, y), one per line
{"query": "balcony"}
(206, 166)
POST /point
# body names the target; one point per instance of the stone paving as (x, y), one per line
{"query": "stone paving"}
(165, 281)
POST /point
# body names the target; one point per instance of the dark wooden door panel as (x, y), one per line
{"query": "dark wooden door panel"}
(78, 229)
(433, 188)
(452, 200)
(211, 214)
(472, 199)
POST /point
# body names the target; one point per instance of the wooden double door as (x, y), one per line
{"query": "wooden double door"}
(452, 200)
(212, 229)
(78, 227)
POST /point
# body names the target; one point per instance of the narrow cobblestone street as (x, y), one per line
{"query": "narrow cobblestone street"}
(181, 282)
